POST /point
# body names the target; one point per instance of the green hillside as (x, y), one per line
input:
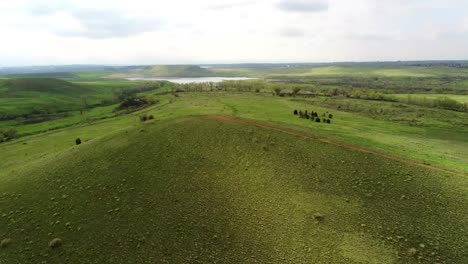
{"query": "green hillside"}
(218, 190)
(45, 85)
(25, 96)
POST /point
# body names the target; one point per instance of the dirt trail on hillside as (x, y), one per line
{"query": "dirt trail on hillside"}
(305, 135)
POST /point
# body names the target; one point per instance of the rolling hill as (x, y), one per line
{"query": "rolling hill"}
(25, 96)
(220, 189)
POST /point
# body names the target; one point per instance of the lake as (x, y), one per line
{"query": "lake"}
(193, 80)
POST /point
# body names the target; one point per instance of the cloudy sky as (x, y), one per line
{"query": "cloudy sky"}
(38, 32)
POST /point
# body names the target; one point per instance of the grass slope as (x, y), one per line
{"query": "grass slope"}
(47, 96)
(200, 190)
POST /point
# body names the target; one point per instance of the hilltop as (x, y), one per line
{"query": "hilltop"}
(205, 190)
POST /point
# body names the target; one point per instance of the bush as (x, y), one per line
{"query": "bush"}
(143, 118)
(295, 112)
(449, 104)
(317, 120)
(78, 141)
(330, 116)
(150, 117)
(6, 135)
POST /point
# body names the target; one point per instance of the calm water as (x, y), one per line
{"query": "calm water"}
(193, 80)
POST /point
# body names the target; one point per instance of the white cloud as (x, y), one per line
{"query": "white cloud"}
(183, 31)
(303, 5)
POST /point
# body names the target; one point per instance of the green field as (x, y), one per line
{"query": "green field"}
(227, 174)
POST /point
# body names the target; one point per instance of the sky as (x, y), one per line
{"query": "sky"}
(45, 32)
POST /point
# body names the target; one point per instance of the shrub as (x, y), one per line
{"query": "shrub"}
(296, 91)
(277, 91)
(143, 118)
(6, 135)
(150, 117)
(328, 121)
(78, 141)
(317, 120)
(330, 116)
(295, 112)
(449, 104)
(55, 243)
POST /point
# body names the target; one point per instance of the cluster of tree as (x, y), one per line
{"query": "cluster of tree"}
(129, 100)
(121, 94)
(7, 134)
(441, 102)
(450, 104)
(238, 86)
(314, 116)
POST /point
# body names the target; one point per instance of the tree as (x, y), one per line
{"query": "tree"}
(277, 91)
(296, 91)
(6, 135)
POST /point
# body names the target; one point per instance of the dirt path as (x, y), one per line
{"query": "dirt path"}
(305, 135)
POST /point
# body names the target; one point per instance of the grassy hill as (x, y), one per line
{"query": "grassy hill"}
(23, 96)
(44, 85)
(201, 189)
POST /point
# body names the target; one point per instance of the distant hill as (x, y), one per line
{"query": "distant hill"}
(163, 71)
(45, 85)
(55, 69)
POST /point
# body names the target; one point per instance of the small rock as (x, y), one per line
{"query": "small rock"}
(318, 216)
(55, 243)
(412, 251)
(5, 243)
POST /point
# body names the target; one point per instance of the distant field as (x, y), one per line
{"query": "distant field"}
(281, 71)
